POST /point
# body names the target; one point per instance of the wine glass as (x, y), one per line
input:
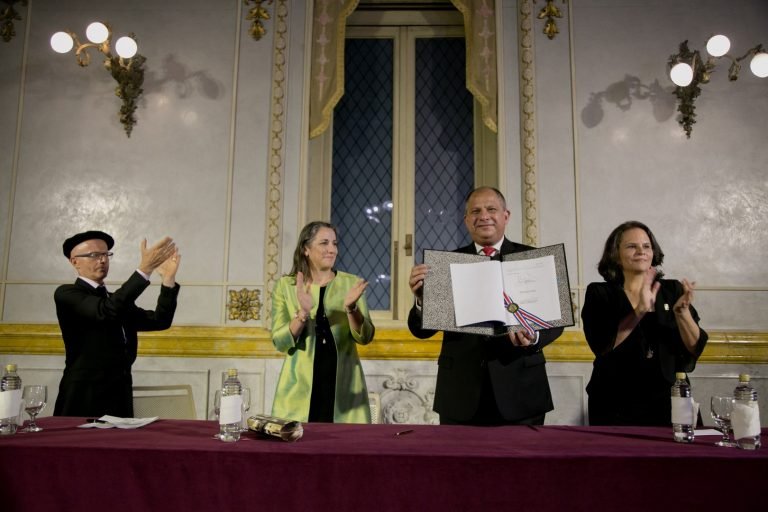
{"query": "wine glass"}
(721, 412)
(216, 409)
(34, 398)
(246, 408)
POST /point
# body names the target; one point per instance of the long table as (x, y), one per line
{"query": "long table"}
(178, 465)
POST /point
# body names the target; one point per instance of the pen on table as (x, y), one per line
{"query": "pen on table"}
(403, 432)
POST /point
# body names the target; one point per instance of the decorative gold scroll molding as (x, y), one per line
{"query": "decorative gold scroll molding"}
(528, 124)
(276, 155)
(390, 344)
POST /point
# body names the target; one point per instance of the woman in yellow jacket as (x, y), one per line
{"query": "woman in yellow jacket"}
(319, 315)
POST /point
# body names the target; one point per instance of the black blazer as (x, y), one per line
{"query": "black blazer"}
(518, 374)
(644, 363)
(100, 342)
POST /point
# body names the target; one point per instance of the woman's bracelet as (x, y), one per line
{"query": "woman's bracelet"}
(301, 319)
(351, 309)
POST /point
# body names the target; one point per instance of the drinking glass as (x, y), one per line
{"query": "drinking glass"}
(34, 398)
(216, 409)
(246, 408)
(722, 406)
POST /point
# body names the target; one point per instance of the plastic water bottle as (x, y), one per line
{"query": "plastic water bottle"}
(745, 417)
(10, 401)
(682, 409)
(231, 411)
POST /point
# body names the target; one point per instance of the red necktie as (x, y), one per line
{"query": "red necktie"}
(488, 250)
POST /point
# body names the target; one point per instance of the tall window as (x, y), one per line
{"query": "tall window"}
(400, 156)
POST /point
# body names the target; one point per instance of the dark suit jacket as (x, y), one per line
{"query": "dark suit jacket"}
(100, 342)
(518, 374)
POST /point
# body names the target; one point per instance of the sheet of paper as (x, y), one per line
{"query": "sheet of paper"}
(532, 285)
(115, 422)
(472, 303)
(707, 432)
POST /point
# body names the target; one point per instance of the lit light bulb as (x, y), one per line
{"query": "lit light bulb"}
(759, 64)
(97, 32)
(126, 47)
(61, 42)
(718, 45)
(681, 74)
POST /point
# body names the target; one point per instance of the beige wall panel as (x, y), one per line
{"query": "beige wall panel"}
(11, 61)
(732, 310)
(77, 168)
(703, 197)
(197, 305)
(251, 147)
(296, 126)
(149, 373)
(29, 303)
(555, 149)
(509, 118)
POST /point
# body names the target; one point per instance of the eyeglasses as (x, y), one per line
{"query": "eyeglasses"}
(95, 255)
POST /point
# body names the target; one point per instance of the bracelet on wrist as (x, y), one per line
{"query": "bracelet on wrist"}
(301, 317)
(351, 309)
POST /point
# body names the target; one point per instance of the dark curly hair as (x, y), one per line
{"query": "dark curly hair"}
(610, 264)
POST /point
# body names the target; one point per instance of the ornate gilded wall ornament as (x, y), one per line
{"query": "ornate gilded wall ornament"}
(7, 16)
(244, 305)
(256, 15)
(550, 12)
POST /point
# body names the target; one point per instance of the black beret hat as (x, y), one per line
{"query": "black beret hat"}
(72, 242)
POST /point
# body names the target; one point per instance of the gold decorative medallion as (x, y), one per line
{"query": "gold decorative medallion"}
(244, 305)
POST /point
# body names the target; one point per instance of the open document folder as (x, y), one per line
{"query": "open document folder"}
(472, 293)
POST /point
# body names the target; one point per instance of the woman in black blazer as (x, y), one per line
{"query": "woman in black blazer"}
(641, 328)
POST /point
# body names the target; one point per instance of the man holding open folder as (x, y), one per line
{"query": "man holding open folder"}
(487, 380)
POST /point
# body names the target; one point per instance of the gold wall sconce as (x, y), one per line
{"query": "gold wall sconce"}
(7, 17)
(256, 15)
(550, 12)
(688, 71)
(127, 67)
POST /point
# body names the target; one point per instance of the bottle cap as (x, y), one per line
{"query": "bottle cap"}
(232, 372)
(680, 375)
(743, 377)
(10, 367)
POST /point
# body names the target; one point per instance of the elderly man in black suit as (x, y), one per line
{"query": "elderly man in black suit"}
(487, 380)
(99, 328)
